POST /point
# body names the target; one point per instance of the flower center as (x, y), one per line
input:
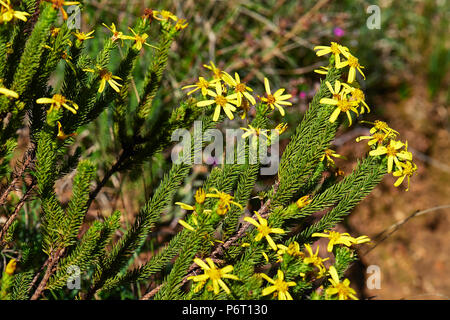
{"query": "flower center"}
(221, 101)
(353, 62)
(240, 87)
(335, 48)
(344, 105)
(203, 84)
(270, 99)
(59, 98)
(106, 75)
(265, 230)
(334, 236)
(391, 151)
(281, 285)
(380, 125)
(379, 137)
(214, 274)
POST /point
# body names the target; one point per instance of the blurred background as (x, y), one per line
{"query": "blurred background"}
(406, 62)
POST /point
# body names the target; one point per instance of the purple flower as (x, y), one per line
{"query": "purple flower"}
(302, 95)
(338, 32)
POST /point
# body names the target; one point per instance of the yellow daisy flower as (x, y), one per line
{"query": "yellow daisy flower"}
(376, 138)
(343, 105)
(393, 153)
(200, 196)
(279, 285)
(341, 289)
(225, 201)
(357, 95)
(213, 274)
(216, 71)
(339, 238)
(264, 230)
(253, 131)
(7, 13)
(334, 48)
(331, 153)
(407, 170)
(277, 99)
(181, 24)
(240, 88)
(83, 36)
(58, 101)
(354, 65)
(139, 40)
(303, 201)
(315, 260)
(115, 33)
(222, 102)
(202, 84)
(164, 15)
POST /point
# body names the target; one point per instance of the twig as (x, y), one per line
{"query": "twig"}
(390, 230)
(12, 217)
(54, 258)
(28, 158)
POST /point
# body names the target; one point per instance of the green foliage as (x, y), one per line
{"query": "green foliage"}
(63, 232)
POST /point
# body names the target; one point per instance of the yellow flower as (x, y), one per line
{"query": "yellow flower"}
(293, 249)
(164, 15)
(213, 274)
(81, 36)
(61, 135)
(380, 126)
(59, 5)
(357, 95)
(253, 131)
(264, 230)
(407, 170)
(240, 88)
(216, 71)
(354, 65)
(11, 267)
(303, 201)
(334, 48)
(106, 76)
(116, 34)
(58, 101)
(181, 24)
(343, 105)
(221, 101)
(202, 84)
(8, 93)
(225, 201)
(7, 13)
(315, 260)
(393, 153)
(342, 289)
(277, 99)
(331, 153)
(376, 138)
(279, 285)
(340, 238)
(139, 40)
(200, 196)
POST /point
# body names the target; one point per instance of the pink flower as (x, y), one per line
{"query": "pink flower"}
(302, 95)
(338, 32)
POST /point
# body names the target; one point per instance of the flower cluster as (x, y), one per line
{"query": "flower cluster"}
(229, 93)
(383, 141)
(347, 97)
